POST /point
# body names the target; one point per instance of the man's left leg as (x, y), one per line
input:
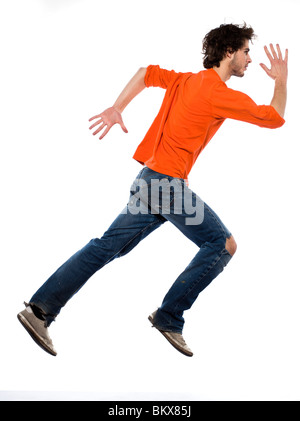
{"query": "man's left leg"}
(217, 246)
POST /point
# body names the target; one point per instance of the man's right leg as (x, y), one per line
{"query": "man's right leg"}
(124, 234)
(129, 228)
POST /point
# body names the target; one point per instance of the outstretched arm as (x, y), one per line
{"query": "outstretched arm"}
(279, 73)
(112, 115)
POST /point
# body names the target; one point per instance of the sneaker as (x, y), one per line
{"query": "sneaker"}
(175, 339)
(36, 329)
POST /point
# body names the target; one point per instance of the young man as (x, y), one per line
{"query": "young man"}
(193, 109)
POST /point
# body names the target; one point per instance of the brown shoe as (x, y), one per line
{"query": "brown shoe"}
(36, 329)
(175, 339)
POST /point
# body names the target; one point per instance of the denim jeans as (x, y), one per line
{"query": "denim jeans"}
(154, 199)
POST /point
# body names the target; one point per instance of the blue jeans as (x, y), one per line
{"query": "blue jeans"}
(154, 199)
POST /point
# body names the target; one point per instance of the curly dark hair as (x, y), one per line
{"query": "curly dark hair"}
(225, 38)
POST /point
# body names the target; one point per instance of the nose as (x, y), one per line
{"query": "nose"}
(249, 59)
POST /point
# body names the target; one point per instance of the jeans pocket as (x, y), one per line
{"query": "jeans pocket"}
(159, 193)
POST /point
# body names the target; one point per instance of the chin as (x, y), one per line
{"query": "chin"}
(239, 74)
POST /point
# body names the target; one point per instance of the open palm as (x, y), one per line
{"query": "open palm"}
(106, 120)
(278, 68)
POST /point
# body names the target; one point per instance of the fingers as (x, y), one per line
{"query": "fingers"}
(95, 116)
(272, 56)
(275, 55)
(95, 124)
(101, 122)
(123, 127)
(278, 68)
(273, 51)
(264, 67)
(279, 52)
(99, 129)
(268, 53)
(105, 132)
(105, 121)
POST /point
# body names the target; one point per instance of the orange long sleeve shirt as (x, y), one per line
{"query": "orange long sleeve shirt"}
(194, 108)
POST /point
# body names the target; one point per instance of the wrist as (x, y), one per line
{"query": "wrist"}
(118, 108)
(281, 81)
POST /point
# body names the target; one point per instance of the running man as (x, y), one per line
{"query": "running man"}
(193, 109)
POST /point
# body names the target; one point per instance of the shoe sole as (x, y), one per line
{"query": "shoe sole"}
(174, 344)
(35, 336)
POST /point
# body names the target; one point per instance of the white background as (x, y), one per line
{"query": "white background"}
(63, 61)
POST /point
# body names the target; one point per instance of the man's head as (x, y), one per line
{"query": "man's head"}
(228, 41)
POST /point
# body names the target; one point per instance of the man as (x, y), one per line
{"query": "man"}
(193, 109)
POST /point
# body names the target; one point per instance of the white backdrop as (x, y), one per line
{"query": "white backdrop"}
(63, 61)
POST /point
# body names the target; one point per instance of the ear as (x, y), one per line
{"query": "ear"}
(230, 54)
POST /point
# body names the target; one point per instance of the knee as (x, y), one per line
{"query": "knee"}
(231, 245)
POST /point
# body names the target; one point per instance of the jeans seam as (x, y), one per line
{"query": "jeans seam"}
(218, 222)
(201, 278)
(141, 231)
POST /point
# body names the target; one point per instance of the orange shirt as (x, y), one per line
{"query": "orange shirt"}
(193, 109)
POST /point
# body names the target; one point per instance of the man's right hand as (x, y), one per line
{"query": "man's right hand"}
(107, 119)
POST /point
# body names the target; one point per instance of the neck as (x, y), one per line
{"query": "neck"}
(223, 72)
